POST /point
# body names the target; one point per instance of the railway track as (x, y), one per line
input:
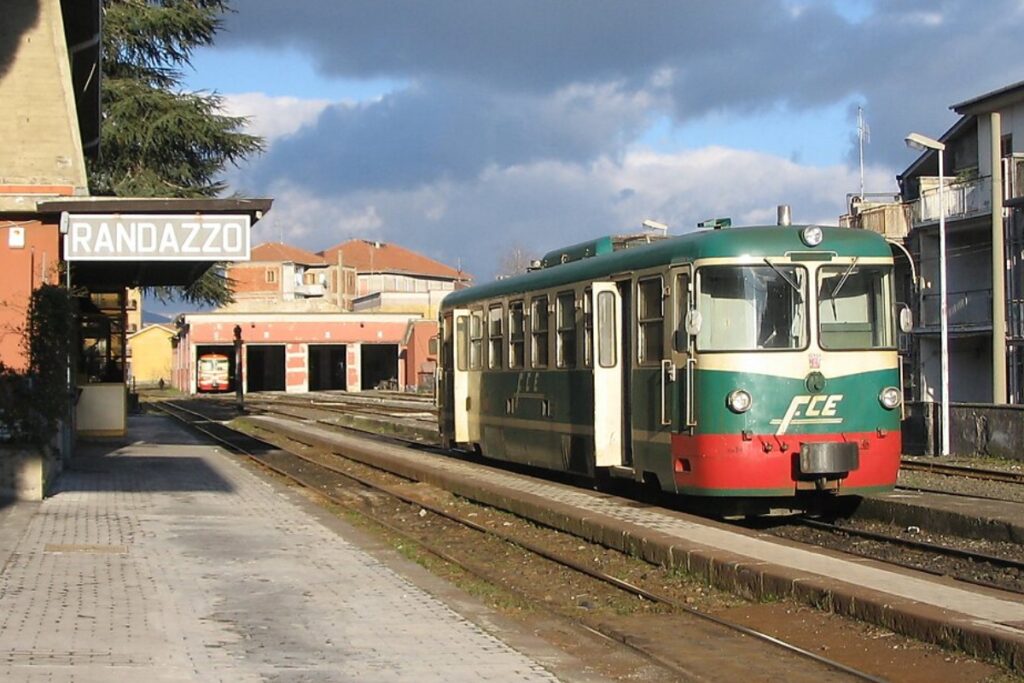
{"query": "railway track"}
(299, 471)
(963, 564)
(963, 471)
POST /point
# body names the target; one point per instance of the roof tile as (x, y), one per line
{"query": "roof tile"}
(369, 256)
(280, 252)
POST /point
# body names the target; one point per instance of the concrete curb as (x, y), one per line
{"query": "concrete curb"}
(970, 523)
(723, 569)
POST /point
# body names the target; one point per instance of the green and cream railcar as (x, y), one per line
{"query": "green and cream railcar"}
(743, 362)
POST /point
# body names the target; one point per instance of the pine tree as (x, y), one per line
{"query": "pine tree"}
(156, 139)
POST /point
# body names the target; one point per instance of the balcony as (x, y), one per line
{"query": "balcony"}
(1013, 176)
(310, 289)
(891, 220)
(961, 199)
(968, 310)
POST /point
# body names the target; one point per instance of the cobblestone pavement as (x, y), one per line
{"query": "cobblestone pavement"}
(168, 560)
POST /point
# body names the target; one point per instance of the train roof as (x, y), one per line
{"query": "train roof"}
(593, 260)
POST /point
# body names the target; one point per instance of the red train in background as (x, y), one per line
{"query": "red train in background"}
(214, 373)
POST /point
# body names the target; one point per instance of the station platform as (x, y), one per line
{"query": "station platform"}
(984, 622)
(162, 558)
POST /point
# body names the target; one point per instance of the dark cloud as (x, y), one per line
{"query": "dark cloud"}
(448, 132)
(907, 59)
(519, 119)
(528, 44)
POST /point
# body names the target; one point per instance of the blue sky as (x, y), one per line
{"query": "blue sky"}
(468, 130)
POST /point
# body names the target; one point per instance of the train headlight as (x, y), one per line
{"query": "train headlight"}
(738, 401)
(812, 235)
(889, 398)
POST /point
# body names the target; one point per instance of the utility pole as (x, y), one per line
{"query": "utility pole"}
(998, 264)
(239, 394)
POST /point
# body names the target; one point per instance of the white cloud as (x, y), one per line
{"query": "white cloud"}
(542, 205)
(274, 117)
(314, 222)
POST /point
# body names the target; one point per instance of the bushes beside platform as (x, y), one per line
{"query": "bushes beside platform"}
(35, 401)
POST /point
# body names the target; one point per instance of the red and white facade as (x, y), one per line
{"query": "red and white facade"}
(282, 348)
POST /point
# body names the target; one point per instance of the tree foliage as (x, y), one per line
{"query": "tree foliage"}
(33, 400)
(515, 260)
(156, 139)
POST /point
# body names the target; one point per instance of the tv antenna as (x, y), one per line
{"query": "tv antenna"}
(863, 135)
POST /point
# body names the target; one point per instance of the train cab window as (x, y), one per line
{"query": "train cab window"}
(854, 307)
(516, 336)
(539, 331)
(566, 329)
(494, 335)
(588, 328)
(462, 341)
(750, 308)
(476, 340)
(651, 320)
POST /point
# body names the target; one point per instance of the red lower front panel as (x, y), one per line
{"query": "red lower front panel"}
(768, 465)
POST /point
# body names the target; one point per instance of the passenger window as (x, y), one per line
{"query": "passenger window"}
(650, 315)
(476, 340)
(566, 329)
(539, 327)
(462, 341)
(516, 336)
(497, 341)
(606, 351)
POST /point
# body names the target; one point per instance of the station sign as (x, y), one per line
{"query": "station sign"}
(156, 237)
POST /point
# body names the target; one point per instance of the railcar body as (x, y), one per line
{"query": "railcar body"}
(213, 373)
(746, 363)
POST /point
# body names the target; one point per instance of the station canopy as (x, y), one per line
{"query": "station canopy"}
(113, 242)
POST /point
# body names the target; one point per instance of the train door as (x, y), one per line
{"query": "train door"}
(677, 373)
(459, 370)
(444, 392)
(652, 379)
(609, 362)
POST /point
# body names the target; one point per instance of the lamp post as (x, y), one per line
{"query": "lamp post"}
(922, 142)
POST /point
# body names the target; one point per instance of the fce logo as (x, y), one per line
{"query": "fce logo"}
(818, 409)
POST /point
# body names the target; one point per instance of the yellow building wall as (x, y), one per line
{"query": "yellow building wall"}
(151, 355)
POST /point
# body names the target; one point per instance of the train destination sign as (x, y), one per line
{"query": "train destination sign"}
(156, 237)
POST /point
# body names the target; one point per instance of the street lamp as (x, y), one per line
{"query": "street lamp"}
(922, 142)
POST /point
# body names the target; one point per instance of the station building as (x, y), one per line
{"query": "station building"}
(359, 315)
(53, 232)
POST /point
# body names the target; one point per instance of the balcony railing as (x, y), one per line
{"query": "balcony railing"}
(971, 308)
(310, 289)
(890, 220)
(1013, 176)
(961, 199)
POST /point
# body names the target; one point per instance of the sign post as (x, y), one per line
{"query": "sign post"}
(239, 394)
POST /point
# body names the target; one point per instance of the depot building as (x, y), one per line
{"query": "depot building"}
(359, 315)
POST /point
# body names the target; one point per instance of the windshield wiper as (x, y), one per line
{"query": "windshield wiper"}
(795, 286)
(839, 285)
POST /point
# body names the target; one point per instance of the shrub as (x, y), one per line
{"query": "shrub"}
(34, 400)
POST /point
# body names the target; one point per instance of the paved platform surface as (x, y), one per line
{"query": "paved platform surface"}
(981, 621)
(166, 560)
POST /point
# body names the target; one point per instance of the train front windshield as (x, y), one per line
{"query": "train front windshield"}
(854, 304)
(754, 308)
(749, 308)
